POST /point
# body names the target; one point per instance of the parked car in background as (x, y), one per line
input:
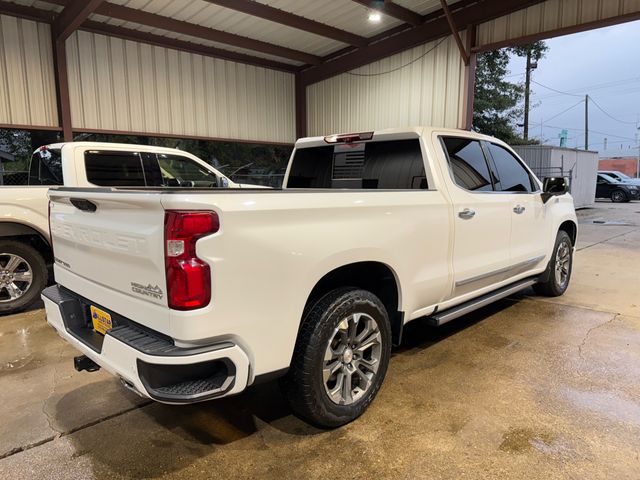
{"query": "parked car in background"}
(621, 177)
(25, 250)
(195, 294)
(609, 187)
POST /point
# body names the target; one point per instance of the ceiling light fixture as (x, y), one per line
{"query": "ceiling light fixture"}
(374, 17)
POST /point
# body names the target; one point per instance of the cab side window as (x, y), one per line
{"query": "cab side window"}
(510, 175)
(114, 169)
(468, 164)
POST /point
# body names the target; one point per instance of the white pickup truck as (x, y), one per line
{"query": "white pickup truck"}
(25, 249)
(192, 295)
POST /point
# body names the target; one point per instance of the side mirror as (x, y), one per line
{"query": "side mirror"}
(552, 186)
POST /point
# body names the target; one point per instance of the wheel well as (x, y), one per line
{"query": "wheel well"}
(571, 229)
(374, 277)
(24, 234)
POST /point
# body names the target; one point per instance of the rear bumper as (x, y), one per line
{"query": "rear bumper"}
(147, 361)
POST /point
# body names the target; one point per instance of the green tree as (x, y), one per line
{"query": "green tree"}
(498, 102)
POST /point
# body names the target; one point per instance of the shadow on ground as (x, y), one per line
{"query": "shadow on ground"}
(157, 439)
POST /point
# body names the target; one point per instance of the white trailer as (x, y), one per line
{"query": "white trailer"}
(581, 166)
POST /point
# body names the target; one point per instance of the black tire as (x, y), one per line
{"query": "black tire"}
(619, 196)
(39, 275)
(304, 386)
(553, 286)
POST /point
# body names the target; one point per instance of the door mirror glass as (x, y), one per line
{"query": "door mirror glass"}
(554, 186)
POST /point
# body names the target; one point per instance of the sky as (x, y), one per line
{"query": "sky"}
(603, 63)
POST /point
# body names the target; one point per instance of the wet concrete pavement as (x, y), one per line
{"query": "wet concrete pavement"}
(526, 388)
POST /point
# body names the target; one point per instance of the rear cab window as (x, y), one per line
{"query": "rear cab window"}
(46, 167)
(378, 164)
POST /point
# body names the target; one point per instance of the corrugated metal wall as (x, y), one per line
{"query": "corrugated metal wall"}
(427, 92)
(128, 86)
(27, 85)
(552, 15)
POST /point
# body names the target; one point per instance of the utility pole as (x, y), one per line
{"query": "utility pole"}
(638, 145)
(586, 122)
(527, 88)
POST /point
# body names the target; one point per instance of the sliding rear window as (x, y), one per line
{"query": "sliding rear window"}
(387, 165)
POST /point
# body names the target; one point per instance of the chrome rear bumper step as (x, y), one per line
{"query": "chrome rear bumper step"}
(445, 316)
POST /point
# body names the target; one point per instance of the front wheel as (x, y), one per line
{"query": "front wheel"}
(618, 196)
(558, 273)
(23, 275)
(340, 358)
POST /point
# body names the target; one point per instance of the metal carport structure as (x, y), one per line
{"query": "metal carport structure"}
(261, 71)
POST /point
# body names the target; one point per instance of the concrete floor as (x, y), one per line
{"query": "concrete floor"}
(527, 388)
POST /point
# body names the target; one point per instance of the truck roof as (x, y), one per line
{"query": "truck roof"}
(395, 134)
(105, 145)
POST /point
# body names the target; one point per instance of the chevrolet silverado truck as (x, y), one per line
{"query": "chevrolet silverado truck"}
(25, 250)
(189, 295)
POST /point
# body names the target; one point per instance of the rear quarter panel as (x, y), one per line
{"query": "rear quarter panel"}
(26, 205)
(273, 247)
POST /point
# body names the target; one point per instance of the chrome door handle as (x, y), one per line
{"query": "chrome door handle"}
(467, 214)
(518, 209)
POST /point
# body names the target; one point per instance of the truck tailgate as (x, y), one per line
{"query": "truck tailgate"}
(110, 245)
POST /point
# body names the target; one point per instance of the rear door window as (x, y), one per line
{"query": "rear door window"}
(114, 169)
(468, 164)
(388, 165)
(511, 176)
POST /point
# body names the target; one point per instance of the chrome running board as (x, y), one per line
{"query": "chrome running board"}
(445, 316)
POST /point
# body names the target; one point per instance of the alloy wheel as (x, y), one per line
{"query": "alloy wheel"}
(563, 263)
(15, 277)
(352, 358)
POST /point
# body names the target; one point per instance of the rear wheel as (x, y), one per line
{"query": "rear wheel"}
(340, 359)
(558, 272)
(23, 275)
(618, 196)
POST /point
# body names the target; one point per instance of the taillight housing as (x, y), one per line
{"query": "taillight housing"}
(188, 277)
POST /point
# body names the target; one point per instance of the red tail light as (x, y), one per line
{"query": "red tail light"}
(188, 277)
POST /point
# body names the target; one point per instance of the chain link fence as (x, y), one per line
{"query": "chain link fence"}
(14, 178)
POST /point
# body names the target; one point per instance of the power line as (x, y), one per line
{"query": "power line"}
(566, 110)
(608, 115)
(582, 130)
(557, 91)
(597, 86)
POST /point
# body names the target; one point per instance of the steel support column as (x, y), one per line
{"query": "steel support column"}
(470, 78)
(62, 87)
(300, 107)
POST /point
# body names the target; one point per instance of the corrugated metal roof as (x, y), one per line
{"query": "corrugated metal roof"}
(343, 14)
(552, 15)
(423, 7)
(200, 12)
(188, 38)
